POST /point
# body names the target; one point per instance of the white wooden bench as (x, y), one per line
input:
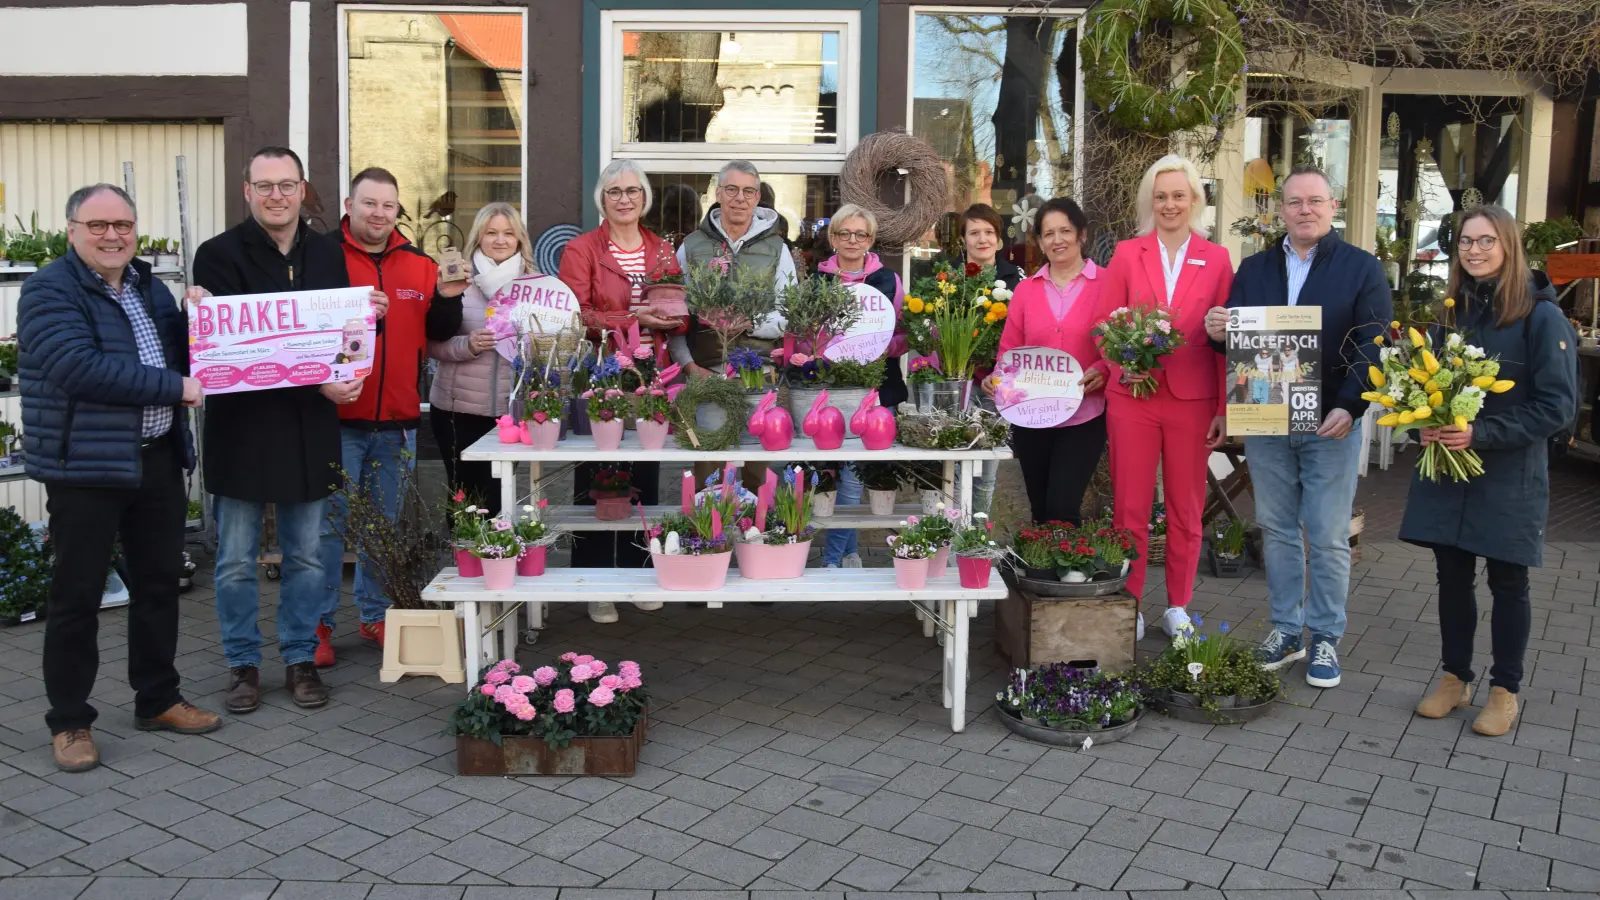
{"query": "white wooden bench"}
(491, 615)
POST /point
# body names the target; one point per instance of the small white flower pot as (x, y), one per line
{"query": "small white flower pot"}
(881, 503)
(822, 505)
(1126, 564)
(931, 498)
(1074, 577)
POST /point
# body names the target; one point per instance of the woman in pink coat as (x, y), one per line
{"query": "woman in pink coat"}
(1055, 308)
(1172, 265)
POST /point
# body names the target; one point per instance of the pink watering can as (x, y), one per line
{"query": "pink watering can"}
(509, 431)
(824, 424)
(872, 423)
(775, 427)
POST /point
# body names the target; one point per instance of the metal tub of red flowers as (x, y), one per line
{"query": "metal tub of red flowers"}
(1058, 559)
(572, 718)
(1070, 703)
(1213, 679)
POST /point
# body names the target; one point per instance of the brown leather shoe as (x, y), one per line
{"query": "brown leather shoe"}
(1451, 694)
(184, 718)
(244, 689)
(305, 686)
(75, 751)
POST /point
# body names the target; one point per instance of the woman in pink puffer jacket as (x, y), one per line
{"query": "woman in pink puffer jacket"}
(473, 385)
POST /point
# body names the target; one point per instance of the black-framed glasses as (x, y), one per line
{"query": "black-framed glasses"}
(1484, 242)
(98, 227)
(265, 188)
(733, 190)
(616, 193)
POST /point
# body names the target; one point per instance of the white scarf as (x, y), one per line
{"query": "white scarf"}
(492, 276)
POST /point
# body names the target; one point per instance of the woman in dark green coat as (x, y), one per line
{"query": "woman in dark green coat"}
(1510, 312)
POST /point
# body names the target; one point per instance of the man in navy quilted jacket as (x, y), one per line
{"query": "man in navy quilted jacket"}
(104, 373)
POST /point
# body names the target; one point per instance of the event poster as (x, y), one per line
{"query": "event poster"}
(1037, 387)
(1274, 378)
(256, 342)
(868, 339)
(537, 304)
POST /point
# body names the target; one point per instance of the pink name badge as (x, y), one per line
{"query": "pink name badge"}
(1038, 387)
(868, 339)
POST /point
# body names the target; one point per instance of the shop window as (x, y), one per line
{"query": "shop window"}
(997, 96)
(1290, 124)
(804, 203)
(437, 98)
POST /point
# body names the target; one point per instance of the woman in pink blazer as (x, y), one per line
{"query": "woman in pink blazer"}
(1170, 264)
(1056, 308)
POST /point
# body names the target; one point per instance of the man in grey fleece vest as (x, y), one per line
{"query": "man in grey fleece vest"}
(747, 235)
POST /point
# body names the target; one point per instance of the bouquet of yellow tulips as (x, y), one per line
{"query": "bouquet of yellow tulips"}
(957, 313)
(1423, 385)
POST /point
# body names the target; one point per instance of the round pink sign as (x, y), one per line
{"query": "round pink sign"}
(1037, 387)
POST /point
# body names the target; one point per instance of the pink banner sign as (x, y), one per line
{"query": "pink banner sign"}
(1037, 387)
(868, 339)
(257, 342)
(537, 304)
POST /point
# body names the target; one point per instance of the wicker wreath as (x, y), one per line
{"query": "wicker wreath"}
(896, 152)
(723, 392)
(1207, 98)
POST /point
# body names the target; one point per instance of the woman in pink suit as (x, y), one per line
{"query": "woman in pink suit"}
(1057, 308)
(1169, 264)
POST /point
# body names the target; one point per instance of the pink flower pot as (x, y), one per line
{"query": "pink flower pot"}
(768, 562)
(467, 565)
(911, 574)
(682, 572)
(607, 433)
(499, 574)
(543, 436)
(941, 562)
(669, 299)
(613, 509)
(974, 571)
(652, 434)
(531, 562)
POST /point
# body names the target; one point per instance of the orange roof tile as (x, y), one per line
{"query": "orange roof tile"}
(495, 39)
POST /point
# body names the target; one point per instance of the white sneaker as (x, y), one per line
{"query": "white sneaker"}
(648, 605)
(603, 613)
(851, 561)
(831, 566)
(1140, 635)
(1175, 621)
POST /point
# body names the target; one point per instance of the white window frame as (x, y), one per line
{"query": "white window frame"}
(1078, 101)
(808, 159)
(343, 10)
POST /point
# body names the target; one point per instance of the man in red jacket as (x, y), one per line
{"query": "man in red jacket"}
(378, 432)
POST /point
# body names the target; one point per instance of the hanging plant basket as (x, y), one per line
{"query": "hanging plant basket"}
(1216, 63)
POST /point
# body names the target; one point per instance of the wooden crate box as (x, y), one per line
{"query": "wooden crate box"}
(1032, 630)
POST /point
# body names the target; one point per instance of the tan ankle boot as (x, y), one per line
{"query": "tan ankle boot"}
(1452, 693)
(1499, 713)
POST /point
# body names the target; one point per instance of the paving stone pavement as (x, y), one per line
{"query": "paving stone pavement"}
(802, 752)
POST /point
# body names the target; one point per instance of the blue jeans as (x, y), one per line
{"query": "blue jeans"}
(1306, 482)
(843, 541)
(299, 594)
(1260, 392)
(373, 461)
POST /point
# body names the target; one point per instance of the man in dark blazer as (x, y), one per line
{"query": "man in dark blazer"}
(105, 386)
(278, 446)
(1309, 480)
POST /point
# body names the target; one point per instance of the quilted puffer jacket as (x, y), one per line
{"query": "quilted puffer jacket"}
(477, 385)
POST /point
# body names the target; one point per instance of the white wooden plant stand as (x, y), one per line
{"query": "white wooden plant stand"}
(944, 607)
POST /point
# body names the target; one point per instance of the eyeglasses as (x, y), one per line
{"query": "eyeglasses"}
(732, 190)
(1486, 242)
(1298, 204)
(97, 227)
(852, 236)
(632, 193)
(264, 188)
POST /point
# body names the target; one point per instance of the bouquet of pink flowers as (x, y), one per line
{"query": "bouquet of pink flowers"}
(577, 697)
(1136, 338)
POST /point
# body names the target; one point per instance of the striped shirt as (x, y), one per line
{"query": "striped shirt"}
(632, 263)
(157, 419)
(1298, 269)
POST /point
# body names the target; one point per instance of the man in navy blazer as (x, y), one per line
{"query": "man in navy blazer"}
(1309, 480)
